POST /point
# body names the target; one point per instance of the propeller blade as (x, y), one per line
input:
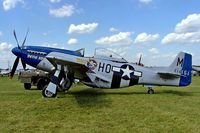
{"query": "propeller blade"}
(140, 59)
(23, 64)
(25, 38)
(14, 67)
(16, 39)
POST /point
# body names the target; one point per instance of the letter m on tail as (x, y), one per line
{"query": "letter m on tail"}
(179, 62)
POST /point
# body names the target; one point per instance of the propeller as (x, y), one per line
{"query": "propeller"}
(17, 59)
(23, 64)
(140, 59)
(139, 62)
(14, 67)
(25, 38)
(16, 39)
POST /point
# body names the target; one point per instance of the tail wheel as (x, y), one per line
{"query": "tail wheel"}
(150, 91)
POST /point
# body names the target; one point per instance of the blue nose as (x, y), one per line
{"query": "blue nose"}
(16, 51)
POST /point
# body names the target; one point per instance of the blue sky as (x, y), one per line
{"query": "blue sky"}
(158, 29)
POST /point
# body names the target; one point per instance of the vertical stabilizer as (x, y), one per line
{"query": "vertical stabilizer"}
(182, 65)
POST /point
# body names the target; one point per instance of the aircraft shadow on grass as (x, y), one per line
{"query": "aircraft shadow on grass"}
(95, 92)
(97, 97)
(179, 93)
(89, 98)
(90, 92)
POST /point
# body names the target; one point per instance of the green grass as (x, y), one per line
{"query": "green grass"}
(86, 109)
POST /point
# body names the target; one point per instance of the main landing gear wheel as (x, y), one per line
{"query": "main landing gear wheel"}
(150, 91)
(48, 94)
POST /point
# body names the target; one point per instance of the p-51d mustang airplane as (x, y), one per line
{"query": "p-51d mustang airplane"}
(104, 70)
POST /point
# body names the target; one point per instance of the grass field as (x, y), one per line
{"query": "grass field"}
(85, 109)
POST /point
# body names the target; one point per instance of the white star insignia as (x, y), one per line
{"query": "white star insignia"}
(126, 71)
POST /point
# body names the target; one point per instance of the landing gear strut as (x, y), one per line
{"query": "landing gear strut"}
(66, 83)
(150, 90)
(60, 81)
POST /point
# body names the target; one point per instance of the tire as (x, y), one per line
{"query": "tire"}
(27, 86)
(41, 84)
(48, 94)
(150, 91)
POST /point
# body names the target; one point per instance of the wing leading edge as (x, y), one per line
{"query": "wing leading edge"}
(75, 62)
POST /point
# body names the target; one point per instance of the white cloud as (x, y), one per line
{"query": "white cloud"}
(112, 29)
(5, 47)
(182, 38)
(45, 34)
(6, 54)
(186, 32)
(55, 1)
(190, 24)
(72, 41)
(121, 38)
(64, 11)
(119, 50)
(146, 38)
(162, 59)
(9, 4)
(53, 45)
(145, 1)
(154, 51)
(82, 28)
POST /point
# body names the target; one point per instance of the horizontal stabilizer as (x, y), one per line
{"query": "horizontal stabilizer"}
(168, 75)
(180, 68)
(81, 52)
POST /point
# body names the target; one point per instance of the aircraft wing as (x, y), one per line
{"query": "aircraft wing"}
(75, 62)
(196, 68)
(168, 75)
(93, 76)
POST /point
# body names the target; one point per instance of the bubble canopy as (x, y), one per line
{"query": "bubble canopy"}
(106, 54)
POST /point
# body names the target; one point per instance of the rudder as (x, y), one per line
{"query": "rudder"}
(183, 66)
